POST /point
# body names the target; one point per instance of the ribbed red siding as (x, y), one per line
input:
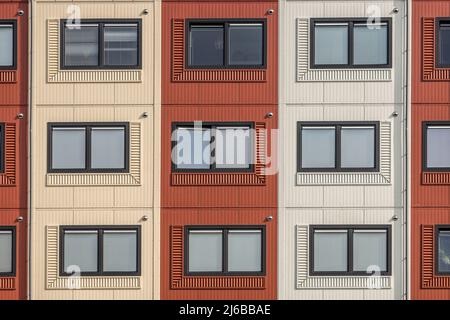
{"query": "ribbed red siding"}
(430, 193)
(13, 183)
(220, 199)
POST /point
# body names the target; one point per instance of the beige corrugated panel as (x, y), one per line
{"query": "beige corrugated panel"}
(337, 198)
(89, 199)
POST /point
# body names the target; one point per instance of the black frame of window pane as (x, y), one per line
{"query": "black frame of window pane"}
(438, 22)
(337, 147)
(425, 126)
(101, 24)
(210, 126)
(438, 229)
(2, 148)
(14, 251)
(225, 230)
(225, 23)
(14, 44)
(350, 229)
(88, 126)
(350, 63)
(100, 231)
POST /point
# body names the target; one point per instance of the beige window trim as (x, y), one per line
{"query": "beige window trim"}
(54, 281)
(304, 73)
(56, 75)
(133, 178)
(356, 178)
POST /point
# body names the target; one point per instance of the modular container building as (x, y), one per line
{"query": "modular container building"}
(430, 157)
(342, 118)
(219, 90)
(13, 149)
(95, 149)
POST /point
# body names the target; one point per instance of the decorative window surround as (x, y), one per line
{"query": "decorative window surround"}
(429, 279)
(230, 179)
(304, 73)
(436, 178)
(181, 74)
(304, 281)
(179, 281)
(8, 177)
(356, 178)
(56, 75)
(7, 283)
(54, 281)
(8, 76)
(430, 72)
(133, 178)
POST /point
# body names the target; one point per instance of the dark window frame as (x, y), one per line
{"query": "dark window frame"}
(350, 229)
(438, 228)
(100, 230)
(101, 52)
(438, 22)
(14, 251)
(212, 166)
(88, 126)
(225, 23)
(425, 126)
(225, 229)
(337, 154)
(14, 44)
(2, 147)
(350, 63)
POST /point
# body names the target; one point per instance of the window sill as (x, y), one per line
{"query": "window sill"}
(217, 179)
(7, 283)
(8, 76)
(436, 178)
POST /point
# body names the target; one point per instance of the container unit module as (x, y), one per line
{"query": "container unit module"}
(219, 111)
(95, 149)
(13, 149)
(342, 116)
(430, 157)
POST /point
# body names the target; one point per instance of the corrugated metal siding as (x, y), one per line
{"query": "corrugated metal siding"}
(215, 96)
(220, 92)
(430, 192)
(13, 183)
(230, 194)
(338, 95)
(96, 96)
(12, 288)
(215, 216)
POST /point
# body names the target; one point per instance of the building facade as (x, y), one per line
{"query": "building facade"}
(219, 100)
(341, 190)
(430, 145)
(95, 150)
(13, 149)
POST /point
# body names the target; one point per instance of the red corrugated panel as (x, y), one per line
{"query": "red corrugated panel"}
(219, 92)
(15, 93)
(12, 288)
(172, 222)
(430, 191)
(13, 182)
(231, 194)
